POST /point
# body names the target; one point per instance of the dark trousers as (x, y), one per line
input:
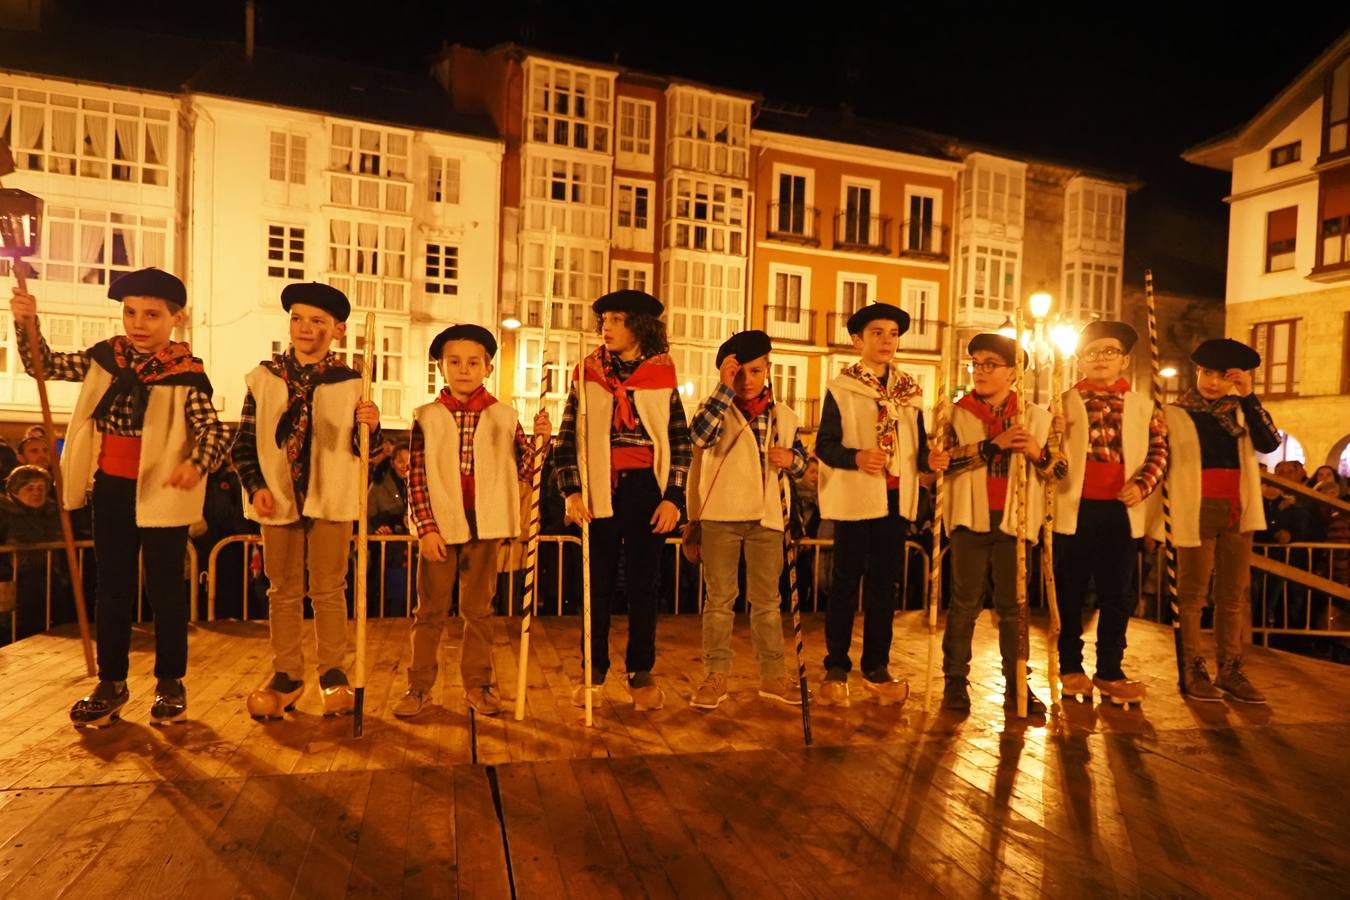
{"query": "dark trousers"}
(118, 543)
(871, 551)
(627, 536)
(1103, 551)
(983, 563)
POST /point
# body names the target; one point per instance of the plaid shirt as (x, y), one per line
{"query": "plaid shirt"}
(210, 439)
(986, 453)
(244, 453)
(706, 427)
(1105, 411)
(681, 447)
(419, 495)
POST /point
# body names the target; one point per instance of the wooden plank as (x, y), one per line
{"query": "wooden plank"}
(378, 869)
(478, 841)
(337, 820)
(430, 868)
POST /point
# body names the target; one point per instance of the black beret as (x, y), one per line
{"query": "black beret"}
(476, 333)
(1106, 328)
(629, 301)
(313, 293)
(874, 311)
(1222, 354)
(149, 283)
(745, 346)
(994, 343)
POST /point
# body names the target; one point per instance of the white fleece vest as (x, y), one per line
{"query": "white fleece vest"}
(1133, 444)
(850, 495)
(653, 409)
(335, 476)
(747, 486)
(495, 476)
(166, 441)
(1184, 488)
(967, 492)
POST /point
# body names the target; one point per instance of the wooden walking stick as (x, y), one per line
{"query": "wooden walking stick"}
(363, 535)
(1048, 532)
(536, 489)
(20, 225)
(1168, 583)
(794, 598)
(1018, 473)
(581, 426)
(941, 415)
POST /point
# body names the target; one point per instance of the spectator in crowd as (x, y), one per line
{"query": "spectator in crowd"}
(223, 516)
(35, 451)
(1327, 475)
(387, 514)
(28, 515)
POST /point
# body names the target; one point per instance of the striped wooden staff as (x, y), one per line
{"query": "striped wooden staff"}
(581, 426)
(1048, 532)
(527, 601)
(791, 546)
(1168, 583)
(1021, 490)
(362, 537)
(941, 415)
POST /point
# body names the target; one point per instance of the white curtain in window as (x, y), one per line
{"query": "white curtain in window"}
(157, 140)
(96, 136)
(63, 139)
(91, 252)
(128, 238)
(340, 241)
(395, 242)
(30, 128)
(152, 249)
(367, 242)
(126, 138)
(4, 119)
(60, 241)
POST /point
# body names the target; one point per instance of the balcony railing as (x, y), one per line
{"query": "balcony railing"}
(863, 233)
(924, 240)
(795, 223)
(790, 323)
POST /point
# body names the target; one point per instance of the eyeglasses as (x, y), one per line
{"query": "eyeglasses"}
(987, 366)
(1105, 353)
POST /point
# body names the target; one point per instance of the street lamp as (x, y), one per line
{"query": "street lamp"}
(510, 322)
(20, 223)
(1033, 343)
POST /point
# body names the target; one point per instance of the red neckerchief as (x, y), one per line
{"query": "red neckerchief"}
(995, 421)
(171, 364)
(755, 406)
(478, 401)
(1121, 386)
(652, 373)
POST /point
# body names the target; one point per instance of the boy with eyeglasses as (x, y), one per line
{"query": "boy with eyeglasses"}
(1115, 444)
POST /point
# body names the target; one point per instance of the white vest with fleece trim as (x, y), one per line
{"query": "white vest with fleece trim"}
(166, 441)
(967, 491)
(733, 477)
(653, 409)
(1134, 424)
(335, 477)
(851, 495)
(496, 478)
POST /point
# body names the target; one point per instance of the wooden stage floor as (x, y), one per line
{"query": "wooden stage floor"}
(1174, 800)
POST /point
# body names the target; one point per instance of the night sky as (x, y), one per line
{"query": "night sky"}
(1127, 96)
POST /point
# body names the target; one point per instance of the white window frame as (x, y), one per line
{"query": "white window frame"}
(541, 106)
(695, 366)
(583, 178)
(721, 229)
(632, 237)
(706, 308)
(925, 322)
(902, 238)
(809, 192)
(618, 282)
(579, 270)
(873, 236)
(1002, 303)
(694, 119)
(1104, 272)
(374, 276)
(635, 158)
(1010, 223)
(388, 365)
(444, 179)
(788, 324)
(294, 156)
(799, 397)
(68, 234)
(436, 283)
(288, 265)
(839, 333)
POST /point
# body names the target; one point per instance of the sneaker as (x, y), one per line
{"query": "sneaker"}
(834, 689)
(170, 702)
(1233, 681)
(339, 699)
(102, 706)
(597, 694)
(1034, 705)
(410, 704)
(888, 691)
(1076, 685)
(484, 700)
(1198, 686)
(646, 693)
(1121, 691)
(711, 692)
(784, 689)
(956, 695)
(278, 696)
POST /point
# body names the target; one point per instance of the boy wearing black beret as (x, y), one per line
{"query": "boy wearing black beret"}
(140, 389)
(468, 459)
(298, 458)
